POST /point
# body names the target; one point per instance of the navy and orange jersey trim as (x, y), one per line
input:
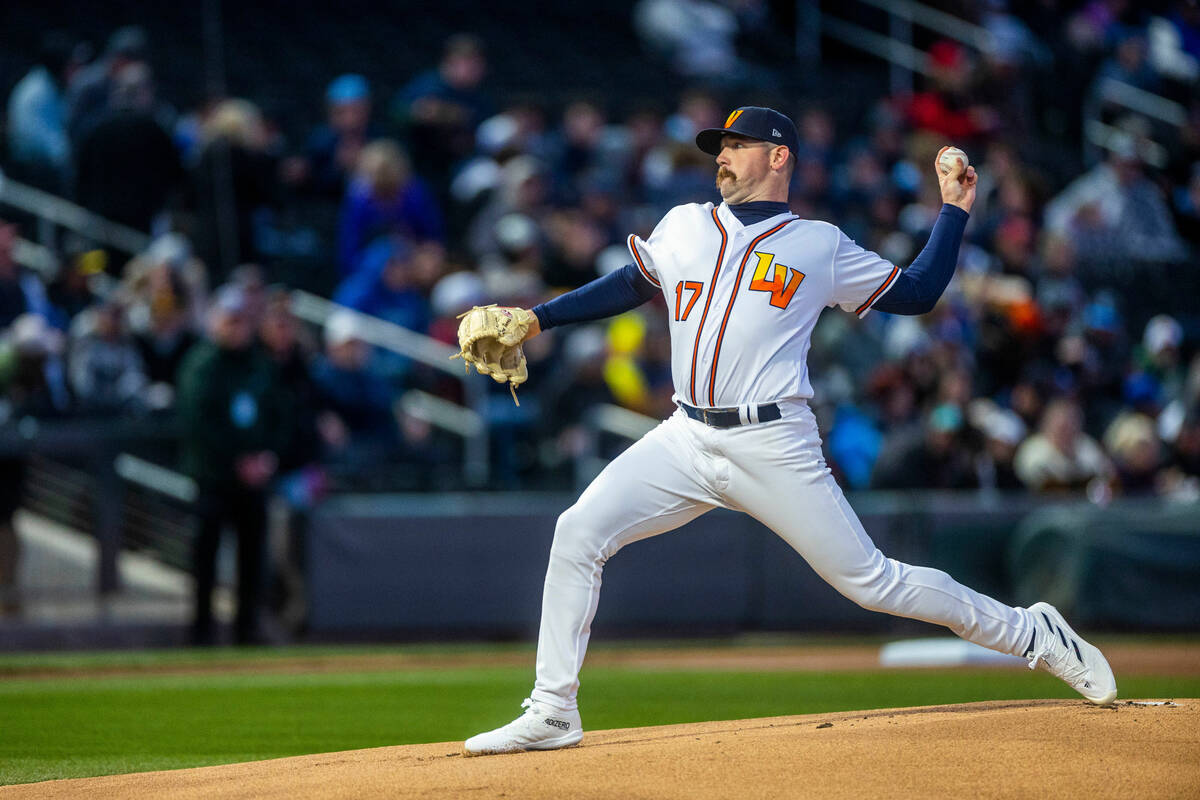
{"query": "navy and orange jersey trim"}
(883, 287)
(641, 266)
(708, 301)
(737, 282)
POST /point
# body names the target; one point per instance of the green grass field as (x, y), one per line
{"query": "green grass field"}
(74, 724)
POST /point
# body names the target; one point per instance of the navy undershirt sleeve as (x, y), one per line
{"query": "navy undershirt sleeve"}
(917, 289)
(618, 291)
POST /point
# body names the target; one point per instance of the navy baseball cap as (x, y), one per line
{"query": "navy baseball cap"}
(755, 122)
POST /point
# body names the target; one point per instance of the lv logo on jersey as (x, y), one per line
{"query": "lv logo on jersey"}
(781, 287)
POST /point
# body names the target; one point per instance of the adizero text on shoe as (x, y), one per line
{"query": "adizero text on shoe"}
(541, 727)
(1065, 654)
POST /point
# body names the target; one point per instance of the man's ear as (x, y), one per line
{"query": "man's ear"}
(779, 157)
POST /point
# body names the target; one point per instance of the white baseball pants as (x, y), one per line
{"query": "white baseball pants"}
(775, 472)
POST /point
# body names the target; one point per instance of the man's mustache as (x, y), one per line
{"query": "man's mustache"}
(723, 173)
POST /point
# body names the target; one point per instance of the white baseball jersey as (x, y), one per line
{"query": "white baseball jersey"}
(743, 299)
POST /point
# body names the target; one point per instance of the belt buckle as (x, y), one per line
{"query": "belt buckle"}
(704, 416)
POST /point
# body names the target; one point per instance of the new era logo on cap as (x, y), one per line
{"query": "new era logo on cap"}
(754, 122)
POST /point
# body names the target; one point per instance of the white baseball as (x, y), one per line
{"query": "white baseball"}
(946, 162)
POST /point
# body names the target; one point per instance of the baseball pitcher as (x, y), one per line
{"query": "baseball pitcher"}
(744, 283)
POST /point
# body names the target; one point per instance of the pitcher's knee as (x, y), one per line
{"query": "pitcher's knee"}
(576, 539)
(872, 585)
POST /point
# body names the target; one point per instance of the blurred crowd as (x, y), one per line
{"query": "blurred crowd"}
(1039, 369)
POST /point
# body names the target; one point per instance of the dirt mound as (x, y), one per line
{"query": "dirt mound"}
(1035, 748)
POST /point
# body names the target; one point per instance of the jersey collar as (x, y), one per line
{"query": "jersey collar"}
(733, 224)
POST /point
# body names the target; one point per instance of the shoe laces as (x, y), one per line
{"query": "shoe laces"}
(530, 705)
(1058, 658)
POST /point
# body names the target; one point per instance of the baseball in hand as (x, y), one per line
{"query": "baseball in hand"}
(947, 161)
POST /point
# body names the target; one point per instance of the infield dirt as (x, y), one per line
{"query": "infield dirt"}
(1032, 748)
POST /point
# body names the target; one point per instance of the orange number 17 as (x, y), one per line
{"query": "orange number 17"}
(695, 287)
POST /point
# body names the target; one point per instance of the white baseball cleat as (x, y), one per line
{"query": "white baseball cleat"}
(1064, 654)
(541, 727)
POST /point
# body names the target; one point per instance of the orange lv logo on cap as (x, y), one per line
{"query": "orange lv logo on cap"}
(733, 117)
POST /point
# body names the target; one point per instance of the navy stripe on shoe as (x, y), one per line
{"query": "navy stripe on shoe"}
(1078, 654)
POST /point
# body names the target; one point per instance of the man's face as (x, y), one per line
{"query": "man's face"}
(464, 70)
(742, 165)
(233, 330)
(8, 241)
(350, 116)
(278, 331)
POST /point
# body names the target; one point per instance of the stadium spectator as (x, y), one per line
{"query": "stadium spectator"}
(575, 241)
(1136, 451)
(1060, 456)
(38, 147)
(585, 151)
(1115, 213)
(302, 481)
(440, 109)
(1095, 25)
(384, 285)
(126, 166)
(699, 38)
(935, 456)
(1002, 432)
(522, 188)
(236, 176)
(1168, 40)
(285, 342)
(333, 148)
(384, 198)
(1173, 42)
(21, 291)
(946, 108)
(1186, 205)
(106, 371)
(1128, 64)
(1181, 474)
(70, 292)
(90, 91)
(235, 421)
(31, 387)
(1159, 358)
(361, 430)
(515, 268)
(162, 320)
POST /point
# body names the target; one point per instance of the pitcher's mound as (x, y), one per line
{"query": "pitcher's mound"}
(1032, 748)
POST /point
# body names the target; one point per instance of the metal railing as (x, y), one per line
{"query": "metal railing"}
(1111, 92)
(605, 418)
(1126, 95)
(896, 46)
(447, 415)
(947, 25)
(57, 211)
(63, 213)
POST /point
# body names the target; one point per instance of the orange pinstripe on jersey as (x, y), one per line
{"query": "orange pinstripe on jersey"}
(708, 301)
(882, 288)
(712, 377)
(638, 258)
